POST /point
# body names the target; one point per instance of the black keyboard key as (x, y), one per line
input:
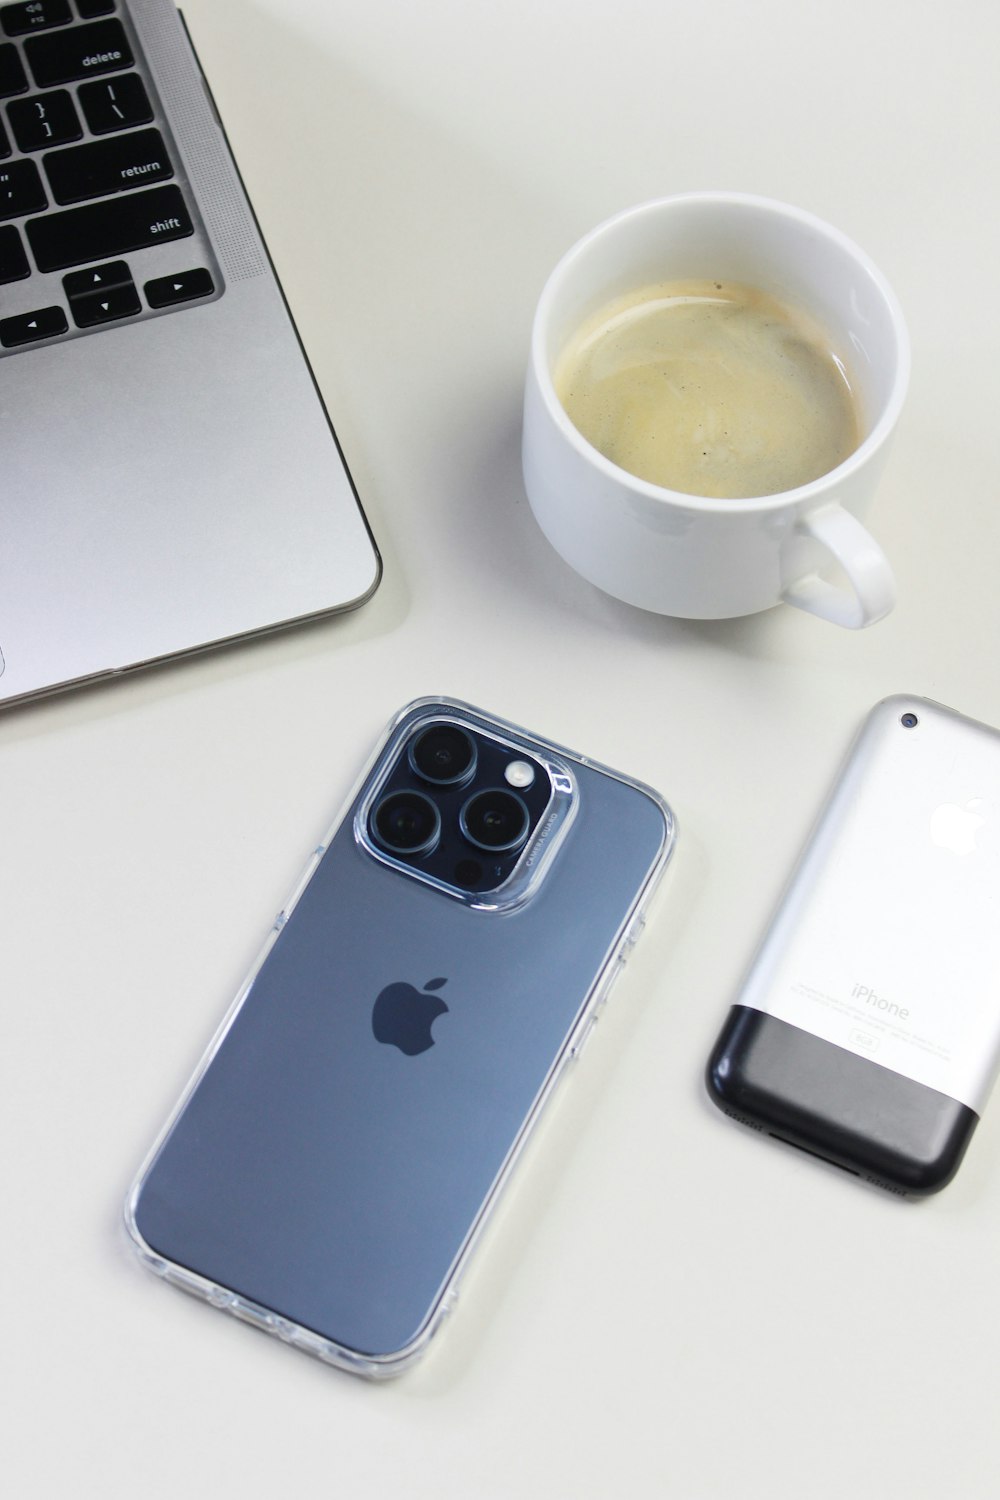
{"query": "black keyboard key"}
(90, 8)
(96, 279)
(167, 291)
(105, 307)
(45, 120)
(115, 165)
(13, 261)
(115, 103)
(100, 230)
(4, 142)
(13, 79)
(34, 15)
(81, 52)
(27, 328)
(21, 190)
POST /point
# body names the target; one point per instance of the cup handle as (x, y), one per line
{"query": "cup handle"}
(872, 591)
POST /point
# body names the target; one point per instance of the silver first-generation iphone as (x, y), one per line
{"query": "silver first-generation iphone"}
(867, 1031)
(443, 956)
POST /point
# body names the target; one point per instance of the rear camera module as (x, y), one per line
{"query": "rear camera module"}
(458, 808)
(406, 823)
(495, 820)
(909, 721)
(443, 754)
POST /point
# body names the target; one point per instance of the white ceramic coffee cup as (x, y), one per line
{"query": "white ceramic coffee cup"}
(683, 554)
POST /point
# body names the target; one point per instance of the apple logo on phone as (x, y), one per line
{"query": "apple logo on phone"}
(402, 1016)
(957, 828)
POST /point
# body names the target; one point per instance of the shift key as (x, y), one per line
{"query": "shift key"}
(101, 230)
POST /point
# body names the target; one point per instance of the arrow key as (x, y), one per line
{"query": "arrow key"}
(105, 306)
(27, 328)
(97, 278)
(166, 291)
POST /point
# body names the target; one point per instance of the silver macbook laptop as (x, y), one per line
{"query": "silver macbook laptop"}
(169, 478)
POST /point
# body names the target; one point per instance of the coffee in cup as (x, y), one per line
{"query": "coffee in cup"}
(710, 388)
(787, 364)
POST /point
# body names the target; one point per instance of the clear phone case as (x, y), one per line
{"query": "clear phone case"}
(329, 1169)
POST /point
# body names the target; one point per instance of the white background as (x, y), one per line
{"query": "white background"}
(664, 1306)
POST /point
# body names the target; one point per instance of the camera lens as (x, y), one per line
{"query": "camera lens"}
(909, 721)
(495, 820)
(406, 823)
(443, 754)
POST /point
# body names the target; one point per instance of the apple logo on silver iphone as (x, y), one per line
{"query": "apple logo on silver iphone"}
(402, 1016)
(957, 828)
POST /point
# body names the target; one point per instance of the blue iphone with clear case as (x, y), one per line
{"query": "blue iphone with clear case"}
(445, 953)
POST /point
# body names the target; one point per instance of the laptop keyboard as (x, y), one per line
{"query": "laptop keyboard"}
(97, 225)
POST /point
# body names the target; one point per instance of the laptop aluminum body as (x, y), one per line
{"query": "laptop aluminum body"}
(169, 481)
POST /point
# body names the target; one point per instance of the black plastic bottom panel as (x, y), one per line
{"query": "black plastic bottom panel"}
(850, 1111)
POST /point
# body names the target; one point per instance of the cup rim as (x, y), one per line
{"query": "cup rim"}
(816, 488)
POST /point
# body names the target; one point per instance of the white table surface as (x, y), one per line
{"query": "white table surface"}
(664, 1306)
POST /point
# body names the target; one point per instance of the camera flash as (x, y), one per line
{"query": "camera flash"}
(519, 773)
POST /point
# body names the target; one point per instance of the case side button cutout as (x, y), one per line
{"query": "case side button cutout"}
(586, 1032)
(612, 979)
(633, 934)
(590, 1020)
(248, 1312)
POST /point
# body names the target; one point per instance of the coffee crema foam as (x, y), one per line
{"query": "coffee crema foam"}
(710, 388)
